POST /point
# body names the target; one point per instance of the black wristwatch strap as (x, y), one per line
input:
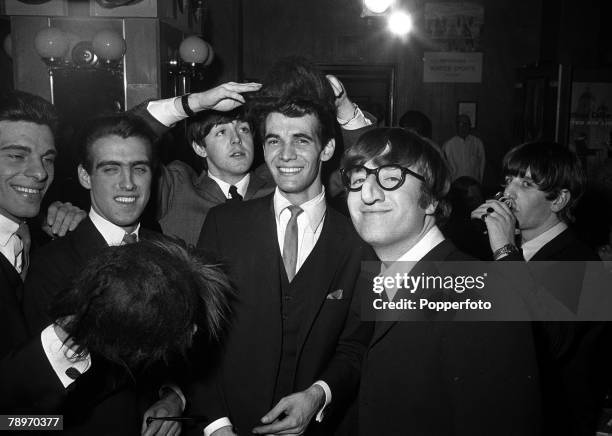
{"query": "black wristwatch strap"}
(185, 103)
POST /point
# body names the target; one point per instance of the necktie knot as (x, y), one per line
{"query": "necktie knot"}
(295, 211)
(233, 192)
(129, 238)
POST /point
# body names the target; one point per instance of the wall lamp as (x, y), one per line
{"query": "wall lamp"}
(104, 51)
(195, 55)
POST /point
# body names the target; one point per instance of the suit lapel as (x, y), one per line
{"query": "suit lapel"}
(320, 268)
(207, 188)
(439, 252)
(11, 274)
(548, 251)
(87, 241)
(255, 183)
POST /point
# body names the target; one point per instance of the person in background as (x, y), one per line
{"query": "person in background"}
(543, 184)
(464, 152)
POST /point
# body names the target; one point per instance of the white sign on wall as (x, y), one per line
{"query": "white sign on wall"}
(452, 67)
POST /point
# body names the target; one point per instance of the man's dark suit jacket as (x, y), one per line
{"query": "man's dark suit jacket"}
(27, 380)
(436, 378)
(330, 339)
(574, 357)
(101, 402)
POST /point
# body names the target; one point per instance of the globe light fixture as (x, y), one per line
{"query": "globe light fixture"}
(194, 50)
(378, 6)
(51, 44)
(108, 45)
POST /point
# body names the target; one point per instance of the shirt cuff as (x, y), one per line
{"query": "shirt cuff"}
(176, 390)
(165, 111)
(328, 398)
(358, 121)
(63, 360)
(216, 425)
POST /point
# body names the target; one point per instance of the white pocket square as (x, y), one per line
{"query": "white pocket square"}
(336, 295)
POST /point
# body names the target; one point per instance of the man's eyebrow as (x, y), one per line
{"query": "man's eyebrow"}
(271, 135)
(16, 147)
(302, 135)
(117, 163)
(50, 153)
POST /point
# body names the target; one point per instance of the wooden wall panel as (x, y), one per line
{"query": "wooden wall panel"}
(332, 31)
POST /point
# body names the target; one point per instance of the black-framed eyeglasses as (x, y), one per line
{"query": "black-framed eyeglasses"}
(388, 177)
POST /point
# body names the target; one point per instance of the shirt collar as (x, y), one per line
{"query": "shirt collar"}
(8, 228)
(314, 209)
(427, 243)
(242, 185)
(530, 248)
(112, 234)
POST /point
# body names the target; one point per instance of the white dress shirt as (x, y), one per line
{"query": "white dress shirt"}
(241, 186)
(112, 234)
(10, 243)
(310, 223)
(530, 248)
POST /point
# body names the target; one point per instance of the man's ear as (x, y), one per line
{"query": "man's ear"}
(200, 150)
(431, 209)
(328, 150)
(84, 178)
(562, 200)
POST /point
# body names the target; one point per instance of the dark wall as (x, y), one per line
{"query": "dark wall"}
(332, 32)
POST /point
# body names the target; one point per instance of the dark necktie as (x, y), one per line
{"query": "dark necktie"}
(24, 234)
(290, 245)
(233, 192)
(129, 238)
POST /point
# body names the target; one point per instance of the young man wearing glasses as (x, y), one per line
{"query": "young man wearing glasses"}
(430, 378)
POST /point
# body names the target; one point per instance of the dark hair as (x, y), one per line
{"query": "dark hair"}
(552, 167)
(22, 106)
(123, 125)
(394, 145)
(137, 304)
(294, 86)
(297, 78)
(201, 125)
(416, 121)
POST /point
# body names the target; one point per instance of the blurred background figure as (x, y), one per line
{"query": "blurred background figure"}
(464, 152)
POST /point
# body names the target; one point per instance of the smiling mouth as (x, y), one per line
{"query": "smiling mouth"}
(125, 200)
(289, 171)
(27, 191)
(238, 154)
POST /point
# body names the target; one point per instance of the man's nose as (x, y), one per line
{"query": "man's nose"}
(371, 192)
(127, 180)
(235, 138)
(288, 151)
(36, 169)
